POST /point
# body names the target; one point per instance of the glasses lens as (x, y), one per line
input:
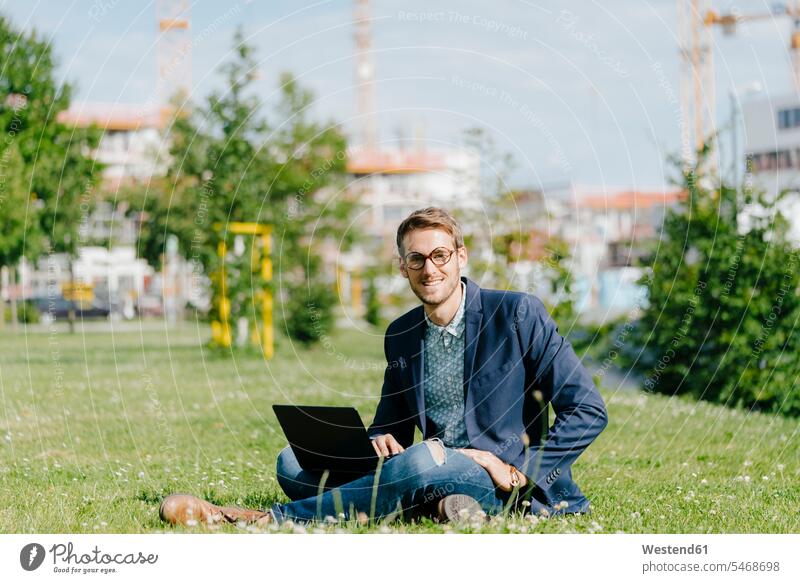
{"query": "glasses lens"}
(415, 260)
(440, 256)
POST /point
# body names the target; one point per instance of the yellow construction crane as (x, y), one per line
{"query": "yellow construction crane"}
(174, 50)
(698, 89)
(729, 21)
(365, 74)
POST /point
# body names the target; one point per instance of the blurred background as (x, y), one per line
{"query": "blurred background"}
(143, 139)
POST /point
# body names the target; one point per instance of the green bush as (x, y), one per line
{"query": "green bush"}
(373, 315)
(27, 313)
(723, 313)
(309, 312)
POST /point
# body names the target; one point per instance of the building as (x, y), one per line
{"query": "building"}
(131, 147)
(607, 231)
(389, 184)
(772, 149)
(392, 183)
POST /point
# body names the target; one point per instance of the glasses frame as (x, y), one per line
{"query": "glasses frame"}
(429, 256)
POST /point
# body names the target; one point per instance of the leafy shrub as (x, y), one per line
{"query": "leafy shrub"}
(309, 312)
(373, 314)
(723, 313)
(27, 313)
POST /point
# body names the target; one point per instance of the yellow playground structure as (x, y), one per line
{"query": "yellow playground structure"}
(260, 261)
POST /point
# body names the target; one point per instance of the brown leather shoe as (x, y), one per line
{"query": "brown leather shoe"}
(188, 510)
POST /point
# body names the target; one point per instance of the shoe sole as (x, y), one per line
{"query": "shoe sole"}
(461, 508)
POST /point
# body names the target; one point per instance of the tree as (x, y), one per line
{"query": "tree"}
(373, 314)
(54, 171)
(723, 309)
(15, 207)
(228, 164)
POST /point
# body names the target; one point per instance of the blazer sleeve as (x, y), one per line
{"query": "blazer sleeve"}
(556, 371)
(393, 415)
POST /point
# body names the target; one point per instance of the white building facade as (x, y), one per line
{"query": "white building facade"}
(772, 147)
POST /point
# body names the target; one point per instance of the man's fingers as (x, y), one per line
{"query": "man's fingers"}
(384, 450)
(394, 446)
(379, 443)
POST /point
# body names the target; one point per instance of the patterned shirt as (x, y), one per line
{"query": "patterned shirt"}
(444, 377)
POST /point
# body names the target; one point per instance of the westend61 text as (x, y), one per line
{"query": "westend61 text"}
(673, 550)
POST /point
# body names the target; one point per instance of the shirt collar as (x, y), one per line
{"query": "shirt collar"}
(454, 326)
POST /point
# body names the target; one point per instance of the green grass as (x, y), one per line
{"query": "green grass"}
(97, 427)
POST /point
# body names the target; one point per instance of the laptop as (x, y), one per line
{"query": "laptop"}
(327, 438)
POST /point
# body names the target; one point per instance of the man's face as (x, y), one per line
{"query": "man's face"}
(432, 284)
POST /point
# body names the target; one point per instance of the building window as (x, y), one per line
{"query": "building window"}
(789, 118)
(768, 161)
(784, 119)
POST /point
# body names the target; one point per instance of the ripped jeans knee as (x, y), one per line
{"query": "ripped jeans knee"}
(437, 450)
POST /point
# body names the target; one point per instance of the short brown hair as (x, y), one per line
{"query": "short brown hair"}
(430, 218)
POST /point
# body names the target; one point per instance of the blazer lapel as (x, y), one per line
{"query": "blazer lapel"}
(473, 312)
(416, 365)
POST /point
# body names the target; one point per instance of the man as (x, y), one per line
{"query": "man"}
(474, 369)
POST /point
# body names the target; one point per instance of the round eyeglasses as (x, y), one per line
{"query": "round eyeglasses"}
(440, 256)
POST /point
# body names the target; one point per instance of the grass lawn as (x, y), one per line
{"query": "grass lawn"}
(97, 427)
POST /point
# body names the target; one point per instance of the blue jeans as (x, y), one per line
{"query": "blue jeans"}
(403, 484)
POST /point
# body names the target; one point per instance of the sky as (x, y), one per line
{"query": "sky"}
(583, 92)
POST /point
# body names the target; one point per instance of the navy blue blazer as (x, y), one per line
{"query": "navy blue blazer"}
(515, 364)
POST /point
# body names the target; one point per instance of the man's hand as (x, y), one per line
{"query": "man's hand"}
(499, 471)
(386, 445)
